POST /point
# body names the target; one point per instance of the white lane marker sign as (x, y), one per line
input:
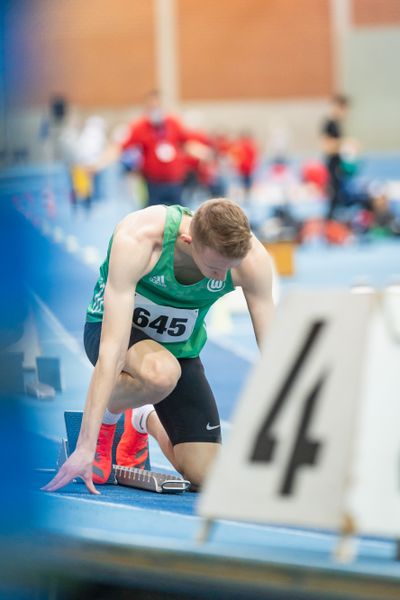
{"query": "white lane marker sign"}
(306, 420)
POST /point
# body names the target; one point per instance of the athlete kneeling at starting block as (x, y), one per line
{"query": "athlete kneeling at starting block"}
(165, 268)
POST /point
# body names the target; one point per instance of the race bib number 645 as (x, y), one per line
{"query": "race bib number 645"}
(164, 324)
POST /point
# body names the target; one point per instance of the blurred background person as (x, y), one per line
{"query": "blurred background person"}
(162, 140)
(245, 156)
(331, 140)
(91, 142)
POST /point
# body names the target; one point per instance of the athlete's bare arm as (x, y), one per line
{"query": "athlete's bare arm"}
(255, 277)
(136, 246)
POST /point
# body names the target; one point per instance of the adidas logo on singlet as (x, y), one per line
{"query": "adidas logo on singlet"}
(158, 280)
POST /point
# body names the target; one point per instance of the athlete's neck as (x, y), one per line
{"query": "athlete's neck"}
(183, 246)
(183, 254)
(186, 270)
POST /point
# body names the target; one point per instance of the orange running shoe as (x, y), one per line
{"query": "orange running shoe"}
(133, 447)
(102, 463)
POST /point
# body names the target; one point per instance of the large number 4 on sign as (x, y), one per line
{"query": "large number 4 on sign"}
(304, 451)
(289, 455)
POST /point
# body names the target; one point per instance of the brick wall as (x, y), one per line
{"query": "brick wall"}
(254, 49)
(102, 52)
(375, 12)
(97, 52)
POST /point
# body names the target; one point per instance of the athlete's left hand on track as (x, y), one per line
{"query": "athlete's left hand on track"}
(79, 464)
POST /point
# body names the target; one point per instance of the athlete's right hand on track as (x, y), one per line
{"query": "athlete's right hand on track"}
(79, 464)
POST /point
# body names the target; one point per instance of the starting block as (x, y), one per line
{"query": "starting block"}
(49, 372)
(144, 479)
(73, 420)
(149, 480)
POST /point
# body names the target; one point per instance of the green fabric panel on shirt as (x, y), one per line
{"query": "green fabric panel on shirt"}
(160, 287)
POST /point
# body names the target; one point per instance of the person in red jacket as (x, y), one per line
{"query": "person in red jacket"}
(245, 157)
(161, 139)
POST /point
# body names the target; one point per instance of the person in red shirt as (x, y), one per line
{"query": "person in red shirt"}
(161, 139)
(245, 157)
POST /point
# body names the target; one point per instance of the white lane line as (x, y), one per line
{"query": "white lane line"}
(95, 499)
(300, 533)
(45, 435)
(233, 348)
(61, 333)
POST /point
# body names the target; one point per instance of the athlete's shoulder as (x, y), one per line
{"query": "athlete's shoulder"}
(137, 240)
(257, 264)
(146, 225)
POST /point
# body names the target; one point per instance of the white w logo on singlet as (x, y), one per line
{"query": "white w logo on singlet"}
(215, 285)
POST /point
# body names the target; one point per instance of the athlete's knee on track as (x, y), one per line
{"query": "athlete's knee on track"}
(195, 468)
(196, 476)
(195, 473)
(160, 376)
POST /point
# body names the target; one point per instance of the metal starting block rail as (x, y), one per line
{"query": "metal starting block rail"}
(150, 480)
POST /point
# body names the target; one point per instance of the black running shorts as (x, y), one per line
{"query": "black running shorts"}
(189, 413)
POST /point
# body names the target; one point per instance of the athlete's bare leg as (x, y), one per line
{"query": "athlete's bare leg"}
(150, 374)
(157, 431)
(191, 459)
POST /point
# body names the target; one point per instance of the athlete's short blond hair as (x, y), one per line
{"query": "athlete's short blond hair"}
(221, 224)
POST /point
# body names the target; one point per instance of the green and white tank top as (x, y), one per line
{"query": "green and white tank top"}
(169, 312)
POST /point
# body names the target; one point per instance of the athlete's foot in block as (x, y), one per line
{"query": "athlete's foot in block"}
(133, 448)
(102, 463)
